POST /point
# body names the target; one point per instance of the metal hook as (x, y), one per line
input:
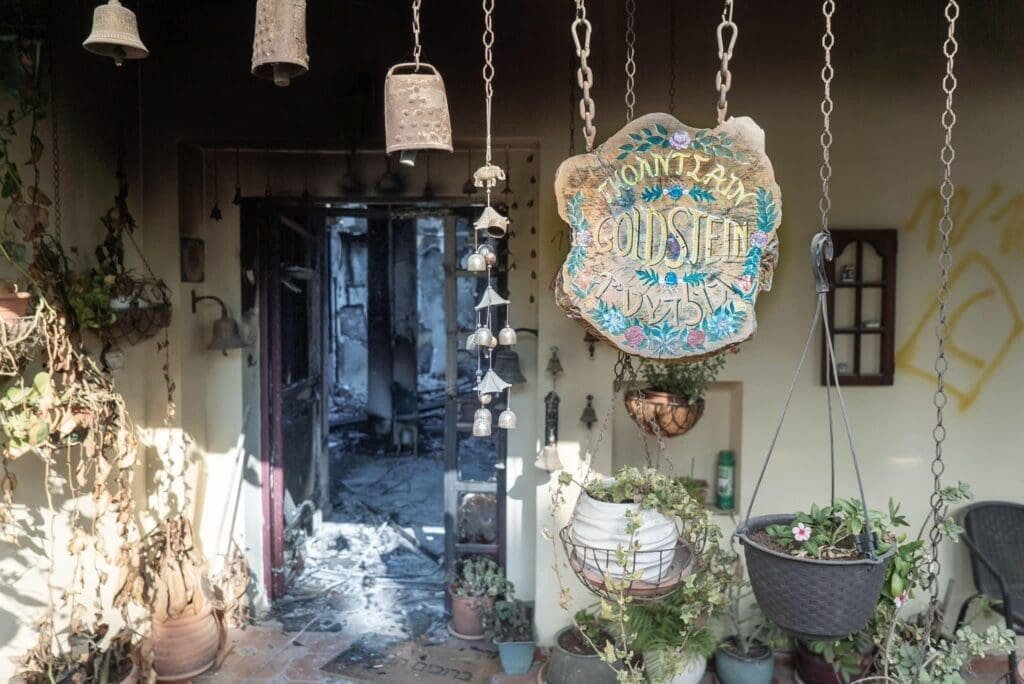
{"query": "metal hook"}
(821, 251)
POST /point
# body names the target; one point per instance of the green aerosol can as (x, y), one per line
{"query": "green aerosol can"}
(724, 490)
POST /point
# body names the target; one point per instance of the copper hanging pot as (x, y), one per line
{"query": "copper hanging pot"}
(662, 413)
(416, 110)
(279, 51)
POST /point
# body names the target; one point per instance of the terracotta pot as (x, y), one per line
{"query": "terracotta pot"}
(673, 414)
(186, 647)
(467, 615)
(14, 305)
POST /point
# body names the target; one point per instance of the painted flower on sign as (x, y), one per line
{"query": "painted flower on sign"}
(612, 320)
(635, 336)
(583, 238)
(723, 322)
(695, 338)
(680, 140)
(759, 239)
(676, 191)
(745, 282)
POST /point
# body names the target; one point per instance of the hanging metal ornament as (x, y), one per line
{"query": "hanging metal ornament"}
(115, 34)
(492, 384)
(279, 51)
(476, 263)
(215, 212)
(490, 298)
(491, 222)
(483, 414)
(488, 254)
(682, 219)
(507, 419)
(483, 337)
(507, 336)
(415, 104)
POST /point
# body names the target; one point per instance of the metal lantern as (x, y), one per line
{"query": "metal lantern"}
(115, 34)
(476, 263)
(416, 110)
(507, 419)
(507, 336)
(279, 50)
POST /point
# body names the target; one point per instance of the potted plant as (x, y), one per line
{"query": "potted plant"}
(576, 654)
(89, 296)
(13, 303)
(474, 587)
(821, 554)
(745, 656)
(673, 635)
(509, 622)
(629, 529)
(673, 400)
(88, 658)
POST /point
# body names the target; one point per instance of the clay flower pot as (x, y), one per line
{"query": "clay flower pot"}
(669, 415)
(467, 616)
(13, 305)
(568, 666)
(187, 646)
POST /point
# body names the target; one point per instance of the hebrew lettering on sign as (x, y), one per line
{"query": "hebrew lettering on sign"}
(673, 233)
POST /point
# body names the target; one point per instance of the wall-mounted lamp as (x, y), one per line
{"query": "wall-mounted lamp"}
(225, 329)
(589, 416)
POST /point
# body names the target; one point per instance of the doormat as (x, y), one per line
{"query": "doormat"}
(371, 659)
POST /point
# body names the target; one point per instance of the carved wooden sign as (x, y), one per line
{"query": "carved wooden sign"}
(672, 236)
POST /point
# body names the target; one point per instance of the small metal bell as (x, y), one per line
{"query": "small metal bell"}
(507, 419)
(226, 335)
(506, 365)
(507, 336)
(589, 416)
(483, 414)
(481, 428)
(115, 34)
(476, 263)
(471, 342)
(415, 111)
(484, 336)
(554, 363)
(491, 221)
(279, 51)
(487, 252)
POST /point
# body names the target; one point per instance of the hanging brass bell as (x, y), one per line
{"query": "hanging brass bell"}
(415, 111)
(115, 34)
(279, 51)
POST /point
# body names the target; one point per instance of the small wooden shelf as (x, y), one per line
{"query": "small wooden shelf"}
(868, 356)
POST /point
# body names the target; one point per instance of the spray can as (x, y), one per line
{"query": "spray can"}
(724, 490)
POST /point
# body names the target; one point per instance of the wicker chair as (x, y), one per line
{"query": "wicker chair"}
(995, 537)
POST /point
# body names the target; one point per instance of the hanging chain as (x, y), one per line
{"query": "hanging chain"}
(672, 58)
(723, 79)
(946, 190)
(416, 32)
(55, 133)
(630, 58)
(572, 104)
(488, 72)
(828, 40)
(584, 75)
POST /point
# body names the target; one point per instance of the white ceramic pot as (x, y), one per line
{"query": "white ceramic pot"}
(693, 673)
(601, 525)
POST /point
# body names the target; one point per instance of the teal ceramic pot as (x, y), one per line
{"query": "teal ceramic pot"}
(733, 667)
(516, 656)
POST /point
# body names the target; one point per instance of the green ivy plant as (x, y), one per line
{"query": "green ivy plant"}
(89, 295)
(689, 380)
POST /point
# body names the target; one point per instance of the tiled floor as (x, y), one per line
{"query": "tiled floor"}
(265, 653)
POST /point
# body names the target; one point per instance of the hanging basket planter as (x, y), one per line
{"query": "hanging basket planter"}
(661, 413)
(19, 341)
(140, 311)
(822, 600)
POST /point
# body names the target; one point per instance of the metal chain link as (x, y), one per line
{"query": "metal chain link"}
(584, 75)
(488, 73)
(630, 58)
(55, 134)
(723, 79)
(828, 40)
(672, 58)
(416, 32)
(572, 103)
(947, 155)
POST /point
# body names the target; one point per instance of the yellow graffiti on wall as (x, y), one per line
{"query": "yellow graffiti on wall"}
(982, 293)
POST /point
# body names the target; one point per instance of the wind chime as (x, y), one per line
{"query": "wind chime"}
(115, 34)
(279, 51)
(483, 259)
(416, 106)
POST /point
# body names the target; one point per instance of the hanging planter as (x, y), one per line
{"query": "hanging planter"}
(140, 310)
(673, 400)
(618, 543)
(19, 341)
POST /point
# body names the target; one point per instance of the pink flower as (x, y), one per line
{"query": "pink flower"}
(680, 140)
(695, 338)
(583, 238)
(759, 239)
(801, 532)
(745, 282)
(901, 599)
(634, 336)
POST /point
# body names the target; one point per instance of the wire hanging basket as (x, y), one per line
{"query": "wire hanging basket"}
(661, 413)
(19, 341)
(641, 574)
(141, 310)
(822, 600)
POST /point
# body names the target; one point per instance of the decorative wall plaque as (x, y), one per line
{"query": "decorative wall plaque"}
(673, 233)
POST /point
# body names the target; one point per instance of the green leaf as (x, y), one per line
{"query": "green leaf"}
(661, 129)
